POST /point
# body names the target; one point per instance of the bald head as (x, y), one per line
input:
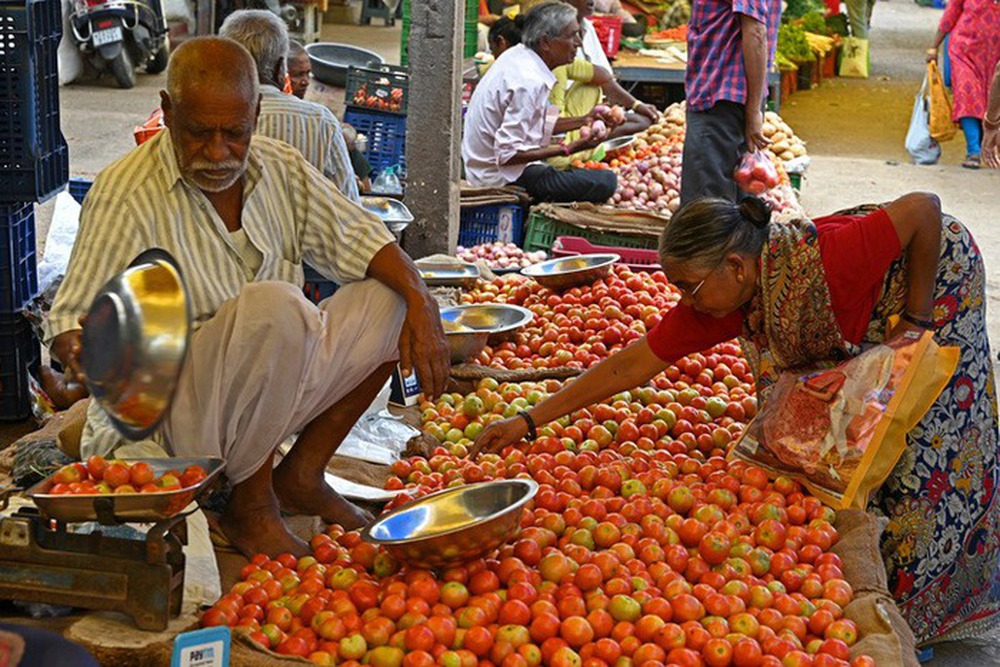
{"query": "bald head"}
(212, 64)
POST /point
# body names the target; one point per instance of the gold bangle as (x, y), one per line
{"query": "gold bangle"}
(635, 104)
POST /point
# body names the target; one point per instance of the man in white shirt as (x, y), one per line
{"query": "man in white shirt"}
(581, 97)
(309, 127)
(240, 213)
(509, 126)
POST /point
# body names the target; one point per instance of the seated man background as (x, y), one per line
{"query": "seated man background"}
(510, 124)
(309, 127)
(240, 212)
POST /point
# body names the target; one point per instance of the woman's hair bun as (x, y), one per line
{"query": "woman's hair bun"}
(755, 211)
(519, 20)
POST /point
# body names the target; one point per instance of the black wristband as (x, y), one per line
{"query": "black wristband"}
(532, 431)
(924, 324)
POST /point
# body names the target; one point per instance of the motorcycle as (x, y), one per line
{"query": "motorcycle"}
(119, 35)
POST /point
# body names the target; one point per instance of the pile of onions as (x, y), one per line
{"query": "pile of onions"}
(651, 182)
(500, 255)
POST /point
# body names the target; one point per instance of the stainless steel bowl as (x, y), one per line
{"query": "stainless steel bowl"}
(135, 339)
(618, 143)
(468, 328)
(455, 274)
(453, 526)
(393, 212)
(566, 272)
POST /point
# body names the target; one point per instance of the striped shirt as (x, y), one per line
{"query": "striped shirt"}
(291, 214)
(715, 68)
(311, 128)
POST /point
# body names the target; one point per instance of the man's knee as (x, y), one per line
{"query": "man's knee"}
(605, 182)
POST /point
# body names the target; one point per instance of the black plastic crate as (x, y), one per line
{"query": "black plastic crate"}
(34, 160)
(18, 271)
(20, 355)
(382, 88)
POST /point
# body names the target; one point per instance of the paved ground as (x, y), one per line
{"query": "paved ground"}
(854, 129)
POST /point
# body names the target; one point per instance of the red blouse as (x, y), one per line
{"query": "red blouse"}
(856, 252)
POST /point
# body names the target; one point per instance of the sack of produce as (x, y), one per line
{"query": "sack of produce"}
(841, 430)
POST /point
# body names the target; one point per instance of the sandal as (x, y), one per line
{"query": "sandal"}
(971, 161)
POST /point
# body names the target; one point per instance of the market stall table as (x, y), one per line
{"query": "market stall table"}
(635, 70)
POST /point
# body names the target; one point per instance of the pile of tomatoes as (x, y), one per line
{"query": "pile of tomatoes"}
(579, 327)
(647, 558)
(101, 477)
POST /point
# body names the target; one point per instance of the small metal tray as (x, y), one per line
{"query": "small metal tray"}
(390, 210)
(113, 509)
(459, 274)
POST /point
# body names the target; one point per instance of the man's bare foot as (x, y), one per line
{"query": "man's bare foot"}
(310, 497)
(259, 530)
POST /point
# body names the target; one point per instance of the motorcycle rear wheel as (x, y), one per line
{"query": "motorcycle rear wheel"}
(123, 69)
(158, 62)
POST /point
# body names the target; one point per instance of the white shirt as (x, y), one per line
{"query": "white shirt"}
(509, 112)
(591, 50)
(291, 214)
(313, 130)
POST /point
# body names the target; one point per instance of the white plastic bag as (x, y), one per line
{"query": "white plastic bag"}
(59, 240)
(919, 144)
(387, 183)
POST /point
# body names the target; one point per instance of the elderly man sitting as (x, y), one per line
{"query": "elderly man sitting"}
(510, 124)
(241, 212)
(309, 127)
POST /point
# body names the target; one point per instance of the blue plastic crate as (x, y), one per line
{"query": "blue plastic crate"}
(489, 223)
(78, 188)
(20, 354)
(386, 134)
(34, 160)
(18, 271)
(317, 287)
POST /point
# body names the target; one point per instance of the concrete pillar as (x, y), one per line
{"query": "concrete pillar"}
(434, 125)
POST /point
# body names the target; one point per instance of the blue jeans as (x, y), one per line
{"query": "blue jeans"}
(973, 130)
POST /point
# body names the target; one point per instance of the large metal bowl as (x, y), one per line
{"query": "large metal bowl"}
(453, 526)
(468, 328)
(330, 61)
(566, 272)
(135, 339)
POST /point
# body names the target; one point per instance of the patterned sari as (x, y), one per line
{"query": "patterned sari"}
(942, 543)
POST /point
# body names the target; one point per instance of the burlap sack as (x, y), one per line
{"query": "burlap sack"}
(466, 376)
(470, 196)
(885, 636)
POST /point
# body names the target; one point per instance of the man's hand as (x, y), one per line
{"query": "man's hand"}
(991, 146)
(931, 54)
(422, 345)
(754, 131)
(647, 110)
(498, 435)
(67, 348)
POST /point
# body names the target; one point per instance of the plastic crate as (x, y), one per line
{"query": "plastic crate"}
(369, 87)
(489, 223)
(78, 188)
(637, 259)
(316, 286)
(18, 272)
(20, 354)
(609, 32)
(542, 233)
(34, 160)
(386, 134)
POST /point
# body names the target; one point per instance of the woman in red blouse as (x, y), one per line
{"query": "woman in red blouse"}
(807, 292)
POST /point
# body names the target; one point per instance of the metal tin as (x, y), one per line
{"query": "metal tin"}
(566, 272)
(393, 212)
(460, 274)
(453, 526)
(135, 507)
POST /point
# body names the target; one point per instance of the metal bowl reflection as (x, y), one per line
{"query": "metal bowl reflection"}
(566, 272)
(453, 526)
(135, 339)
(468, 328)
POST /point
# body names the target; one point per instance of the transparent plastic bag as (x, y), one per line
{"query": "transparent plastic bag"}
(841, 430)
(388, 183)
(756, 174)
